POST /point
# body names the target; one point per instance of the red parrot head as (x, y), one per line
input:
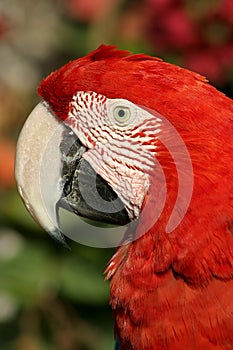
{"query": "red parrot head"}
(134, 141)
(145, 132)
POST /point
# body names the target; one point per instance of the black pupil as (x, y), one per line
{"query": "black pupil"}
(121, 113)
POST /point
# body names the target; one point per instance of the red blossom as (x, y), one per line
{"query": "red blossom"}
(4, 25)
(226, 10)
(7, 155)
(202, 37)
(89, 10)
(179, 28)
(205, 62)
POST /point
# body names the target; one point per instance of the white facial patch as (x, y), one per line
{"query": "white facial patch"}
(122, 141)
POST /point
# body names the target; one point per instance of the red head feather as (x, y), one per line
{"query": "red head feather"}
(166, 288)
(115, 73)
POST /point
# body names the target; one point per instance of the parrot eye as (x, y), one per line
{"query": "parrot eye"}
(121, 114)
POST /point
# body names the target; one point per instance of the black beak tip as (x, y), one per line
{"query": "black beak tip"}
(58, 236)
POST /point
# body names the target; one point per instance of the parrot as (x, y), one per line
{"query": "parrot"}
(156, 141)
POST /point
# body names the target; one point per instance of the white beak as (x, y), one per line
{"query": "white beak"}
(38, 168)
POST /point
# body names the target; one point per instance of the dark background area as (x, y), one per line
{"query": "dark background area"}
(52, 298)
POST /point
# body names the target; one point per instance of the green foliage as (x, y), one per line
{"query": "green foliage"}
(46, 289)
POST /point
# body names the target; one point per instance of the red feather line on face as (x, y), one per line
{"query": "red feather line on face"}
(168, 291)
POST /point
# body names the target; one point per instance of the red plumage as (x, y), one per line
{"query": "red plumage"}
(169, 291)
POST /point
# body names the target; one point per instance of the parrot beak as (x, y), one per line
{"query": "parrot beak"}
(37, 150)
(47, 170)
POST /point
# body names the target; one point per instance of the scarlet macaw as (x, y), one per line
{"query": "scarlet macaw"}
(172, 278)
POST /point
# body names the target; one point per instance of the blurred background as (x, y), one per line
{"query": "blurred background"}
(51, 298)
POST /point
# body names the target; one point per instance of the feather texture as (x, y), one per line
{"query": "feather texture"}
(169, 291)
